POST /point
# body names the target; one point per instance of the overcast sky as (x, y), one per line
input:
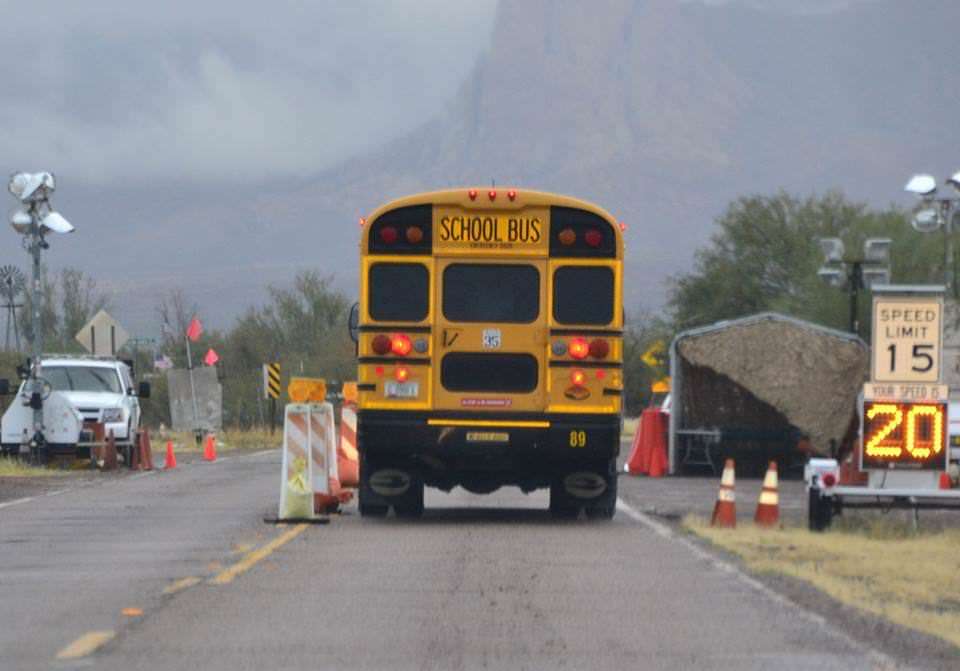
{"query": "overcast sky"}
(223, 91)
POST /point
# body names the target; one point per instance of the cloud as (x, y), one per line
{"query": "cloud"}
(224, 91)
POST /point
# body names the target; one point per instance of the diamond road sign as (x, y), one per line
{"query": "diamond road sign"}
(102, 335)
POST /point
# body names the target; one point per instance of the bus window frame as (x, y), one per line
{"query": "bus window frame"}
(366, 319)
(614, 264)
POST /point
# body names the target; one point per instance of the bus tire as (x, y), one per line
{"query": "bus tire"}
(562, 505)
(410, 505)
(604, 506)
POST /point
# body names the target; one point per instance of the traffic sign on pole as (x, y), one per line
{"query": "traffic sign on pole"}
(102, 335)
(907, 334)
(271, 380)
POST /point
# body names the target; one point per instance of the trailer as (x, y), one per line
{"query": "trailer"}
(761, 388)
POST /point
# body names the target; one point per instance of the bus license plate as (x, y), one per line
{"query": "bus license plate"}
(488, 437)
(401, 389)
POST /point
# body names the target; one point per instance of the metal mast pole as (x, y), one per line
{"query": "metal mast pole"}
(35, 245)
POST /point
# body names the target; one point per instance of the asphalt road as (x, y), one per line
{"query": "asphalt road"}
(481, 582)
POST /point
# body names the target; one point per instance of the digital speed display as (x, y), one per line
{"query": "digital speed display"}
(904, 435)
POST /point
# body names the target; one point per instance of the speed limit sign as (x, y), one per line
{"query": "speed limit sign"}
(907, 334)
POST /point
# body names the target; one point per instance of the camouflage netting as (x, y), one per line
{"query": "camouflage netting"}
(772, 374)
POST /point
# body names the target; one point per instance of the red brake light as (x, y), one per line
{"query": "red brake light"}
(567, 237)
(579, 348)
(401, 345)
(381, 344)
(593, 237)
(472, 193)
(492, 193)
(599, 349)
(389, 235)
(401, 373)
(578, 378)
(414, 234)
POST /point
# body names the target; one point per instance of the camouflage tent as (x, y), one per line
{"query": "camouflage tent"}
(766, 380)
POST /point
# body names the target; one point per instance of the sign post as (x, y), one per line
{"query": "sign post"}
(271, 390)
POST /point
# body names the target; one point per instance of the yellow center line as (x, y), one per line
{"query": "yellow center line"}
(182, 584)
(251, 558)
(86, 644)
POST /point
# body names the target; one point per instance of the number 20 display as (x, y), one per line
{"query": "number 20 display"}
(907, 435)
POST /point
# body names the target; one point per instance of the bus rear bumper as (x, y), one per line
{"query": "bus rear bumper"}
(522, 450)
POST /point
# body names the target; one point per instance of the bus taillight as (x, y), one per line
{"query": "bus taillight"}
(381, 344)
(577, 377)
(414, 235)
(388, 235)
(402, 373)
(579, 348)
(401, 345)
(593, 237)
(599, 348)
(567, 237)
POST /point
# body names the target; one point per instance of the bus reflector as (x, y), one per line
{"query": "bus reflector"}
(579, 348)
(414, 234)
(578, 378)
(401, 345)
(401, 373)
(388, 235)
(492, 193)
(567, 237)
(472, 193)
(512, 194)
(599, 349)
(381, 344)
(593, 237)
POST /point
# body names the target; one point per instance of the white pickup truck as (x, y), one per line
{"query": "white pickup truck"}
(77, 391)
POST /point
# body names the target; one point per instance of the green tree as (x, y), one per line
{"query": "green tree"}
(765, 255)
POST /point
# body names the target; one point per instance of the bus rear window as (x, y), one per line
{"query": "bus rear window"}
(583, 295)
(491, 293)
(398, 292)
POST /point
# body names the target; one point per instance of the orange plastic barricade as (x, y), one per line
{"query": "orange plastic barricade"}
(649, 453)
(348, 458)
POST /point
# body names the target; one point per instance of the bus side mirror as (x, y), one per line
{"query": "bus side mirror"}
(144, 390)
(353, 323)
(4, 387)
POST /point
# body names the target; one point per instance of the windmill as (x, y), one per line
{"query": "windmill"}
(12, 284)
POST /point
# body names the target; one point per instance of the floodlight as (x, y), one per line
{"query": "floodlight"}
(921, 185)
(28, 187)
(954, 180)
(21, 221)
(54, 221)
(877, 250)
(875, 276)
(926, 220)
(832, 249)
(831, 276)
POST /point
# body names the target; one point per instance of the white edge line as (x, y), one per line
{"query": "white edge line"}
(16, 502)
(665, 531)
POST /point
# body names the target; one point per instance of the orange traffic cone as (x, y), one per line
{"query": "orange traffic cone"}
(658, 460)
(945, 481)
(725, 510)
(171, 461)
(110, 453)
(768, 508)
(210, 448)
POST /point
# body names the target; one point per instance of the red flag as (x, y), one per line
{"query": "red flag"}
(211, 358)
(194, 330)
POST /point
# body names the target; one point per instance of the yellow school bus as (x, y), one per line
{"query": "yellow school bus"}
(489, 348)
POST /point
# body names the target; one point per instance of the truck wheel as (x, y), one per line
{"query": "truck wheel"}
(819, 510)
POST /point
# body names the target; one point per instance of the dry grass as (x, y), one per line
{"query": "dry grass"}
(879, 566)
(11, 468)
(228, 439)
